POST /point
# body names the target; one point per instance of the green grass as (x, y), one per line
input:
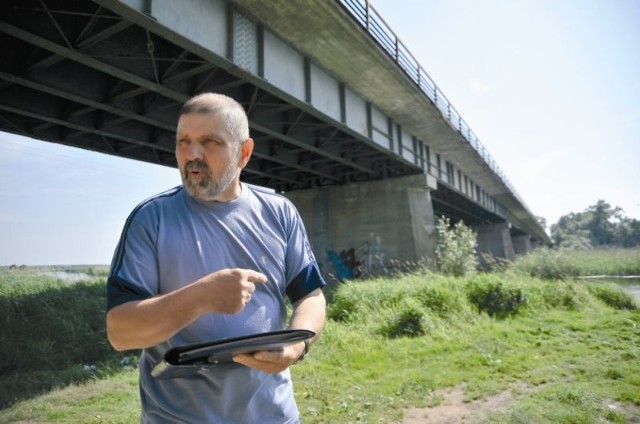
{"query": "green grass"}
(552, 344)
(573, 349)
(107, 400)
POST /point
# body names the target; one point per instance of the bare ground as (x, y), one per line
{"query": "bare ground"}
(454, 410)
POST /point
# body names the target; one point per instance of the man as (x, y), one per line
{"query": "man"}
(211, 259)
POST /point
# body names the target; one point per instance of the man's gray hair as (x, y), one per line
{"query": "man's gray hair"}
(232, 113)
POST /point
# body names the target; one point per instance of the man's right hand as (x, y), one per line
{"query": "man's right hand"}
(228, 291)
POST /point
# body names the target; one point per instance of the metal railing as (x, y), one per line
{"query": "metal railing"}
(363, 13)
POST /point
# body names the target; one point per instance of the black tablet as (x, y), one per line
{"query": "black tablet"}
(185, 360)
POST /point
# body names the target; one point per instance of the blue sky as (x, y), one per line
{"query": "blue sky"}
(551, 88)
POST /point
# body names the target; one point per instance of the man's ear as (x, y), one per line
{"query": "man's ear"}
(246, 149)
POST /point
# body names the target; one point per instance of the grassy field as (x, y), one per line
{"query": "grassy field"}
(568, 350)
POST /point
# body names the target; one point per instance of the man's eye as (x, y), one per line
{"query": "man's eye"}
(214, 141)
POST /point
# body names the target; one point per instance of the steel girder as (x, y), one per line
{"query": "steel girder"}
(80, 75)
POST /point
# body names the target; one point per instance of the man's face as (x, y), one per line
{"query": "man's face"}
(207, 157)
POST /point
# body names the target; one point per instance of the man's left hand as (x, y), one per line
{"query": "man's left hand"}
(271, 361)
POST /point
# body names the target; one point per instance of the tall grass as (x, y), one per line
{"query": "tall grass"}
(564, 263)
(52, 333)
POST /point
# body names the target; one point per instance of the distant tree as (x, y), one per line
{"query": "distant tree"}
(601, 222)
(569, 232)
(598, 225)
(542, 221)
(627, 233)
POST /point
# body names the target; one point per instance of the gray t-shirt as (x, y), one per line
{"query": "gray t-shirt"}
(172, 240)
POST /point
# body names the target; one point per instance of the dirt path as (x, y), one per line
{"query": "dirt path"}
(454, 410)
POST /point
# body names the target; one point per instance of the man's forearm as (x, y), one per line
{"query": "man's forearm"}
(148, 322)
(309, 313)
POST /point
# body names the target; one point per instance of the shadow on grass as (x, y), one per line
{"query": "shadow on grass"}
(52, 334)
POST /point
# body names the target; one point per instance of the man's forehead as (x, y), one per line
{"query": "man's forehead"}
(200, 118)
(203, 122)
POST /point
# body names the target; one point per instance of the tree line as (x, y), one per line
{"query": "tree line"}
(599, 225)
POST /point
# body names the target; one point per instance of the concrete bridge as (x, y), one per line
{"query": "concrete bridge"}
(347, 123)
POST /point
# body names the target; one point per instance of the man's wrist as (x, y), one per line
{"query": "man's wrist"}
(304, 354)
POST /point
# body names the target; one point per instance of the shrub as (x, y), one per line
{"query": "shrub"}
(613, 296)
(441, 300)
(456, 250)
(492, 263)
(409, 320)
(494, 297)
(560, 295)
(343, 306)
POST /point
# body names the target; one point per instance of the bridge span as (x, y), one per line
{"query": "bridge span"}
(346, 122)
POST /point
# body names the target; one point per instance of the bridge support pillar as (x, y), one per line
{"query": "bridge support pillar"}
(535, 243)
(384, 220)
(521, 244)
(495, 239)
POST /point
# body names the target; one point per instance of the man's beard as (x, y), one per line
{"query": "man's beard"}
(207, 188)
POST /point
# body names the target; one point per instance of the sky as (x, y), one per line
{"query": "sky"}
(551, 88)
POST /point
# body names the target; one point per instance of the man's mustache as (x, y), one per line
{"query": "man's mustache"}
(196, 165)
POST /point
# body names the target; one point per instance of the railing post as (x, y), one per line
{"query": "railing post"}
(396, 47)
(366, 13)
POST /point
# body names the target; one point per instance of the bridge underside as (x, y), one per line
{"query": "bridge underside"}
(83, 76)
(449, 203)
(80, 74)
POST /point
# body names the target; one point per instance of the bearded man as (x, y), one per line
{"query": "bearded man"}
(214, 258)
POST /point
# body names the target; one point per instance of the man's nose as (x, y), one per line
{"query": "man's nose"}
(193, 151)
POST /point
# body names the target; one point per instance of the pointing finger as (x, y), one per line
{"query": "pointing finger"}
(256, 277)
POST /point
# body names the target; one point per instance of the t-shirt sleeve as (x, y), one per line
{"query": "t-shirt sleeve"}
(134, 268)
(302, 272)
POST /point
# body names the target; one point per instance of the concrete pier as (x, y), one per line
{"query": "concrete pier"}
(495, 239)
(380, 220)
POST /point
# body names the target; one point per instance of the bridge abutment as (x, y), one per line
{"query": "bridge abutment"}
(380, 220)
